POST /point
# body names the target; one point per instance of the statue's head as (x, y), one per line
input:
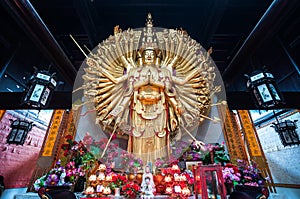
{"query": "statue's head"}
(147, 169)
(148, 56)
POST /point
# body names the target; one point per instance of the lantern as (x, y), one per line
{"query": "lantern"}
(19, 131)
(209, 181)
(39, 89)
(264, 89)
(287, 132)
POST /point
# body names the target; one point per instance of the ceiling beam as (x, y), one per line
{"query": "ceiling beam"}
(243, 100)
(63, 100)
(267, 26)
(26, 16)
(12, 101)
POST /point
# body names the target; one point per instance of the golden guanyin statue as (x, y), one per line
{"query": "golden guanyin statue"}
(153, 84)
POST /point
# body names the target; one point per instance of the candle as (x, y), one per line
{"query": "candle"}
(168, 178)
(108, 178)
(106, 191)
(89, 190)
(101, 176)
(185, 191)
(177, 189)
(176, 177)
(92, 178)
(102, 167)
(175, 167)
(169, 190)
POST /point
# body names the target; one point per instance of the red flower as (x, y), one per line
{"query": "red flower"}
(235, 168)
(118, 180)
(131, 190)
(69, 137)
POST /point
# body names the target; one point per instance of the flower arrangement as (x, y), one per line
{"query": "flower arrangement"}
(72, 172)
(133, 163)
(76, 162)
(242, 174)
(178, 182)
(208, 154)
(189, 178)
(231, 175)
(131, 189)
(111, 151)
(59, 176)
(250, 174)
(117, 181)
(193, 153)
(87, 151)
(161, 163)
(215, 154)
(78, 153)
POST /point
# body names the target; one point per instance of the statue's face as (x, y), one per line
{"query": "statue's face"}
(148, 57)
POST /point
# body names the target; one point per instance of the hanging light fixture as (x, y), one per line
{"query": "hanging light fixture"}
(19, 131)
(39, 89)
(264, 89)
(286, 131)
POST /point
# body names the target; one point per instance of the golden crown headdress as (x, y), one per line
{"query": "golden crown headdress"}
(149, 41)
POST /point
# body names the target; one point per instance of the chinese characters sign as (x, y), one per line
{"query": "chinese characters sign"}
(249, 133)
(53, 131)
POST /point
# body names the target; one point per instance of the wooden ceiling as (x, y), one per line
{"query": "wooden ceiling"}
(245, 36)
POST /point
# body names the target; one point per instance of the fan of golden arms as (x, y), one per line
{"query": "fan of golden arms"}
(149, 81)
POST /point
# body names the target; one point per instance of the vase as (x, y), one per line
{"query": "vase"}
(117, 191)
